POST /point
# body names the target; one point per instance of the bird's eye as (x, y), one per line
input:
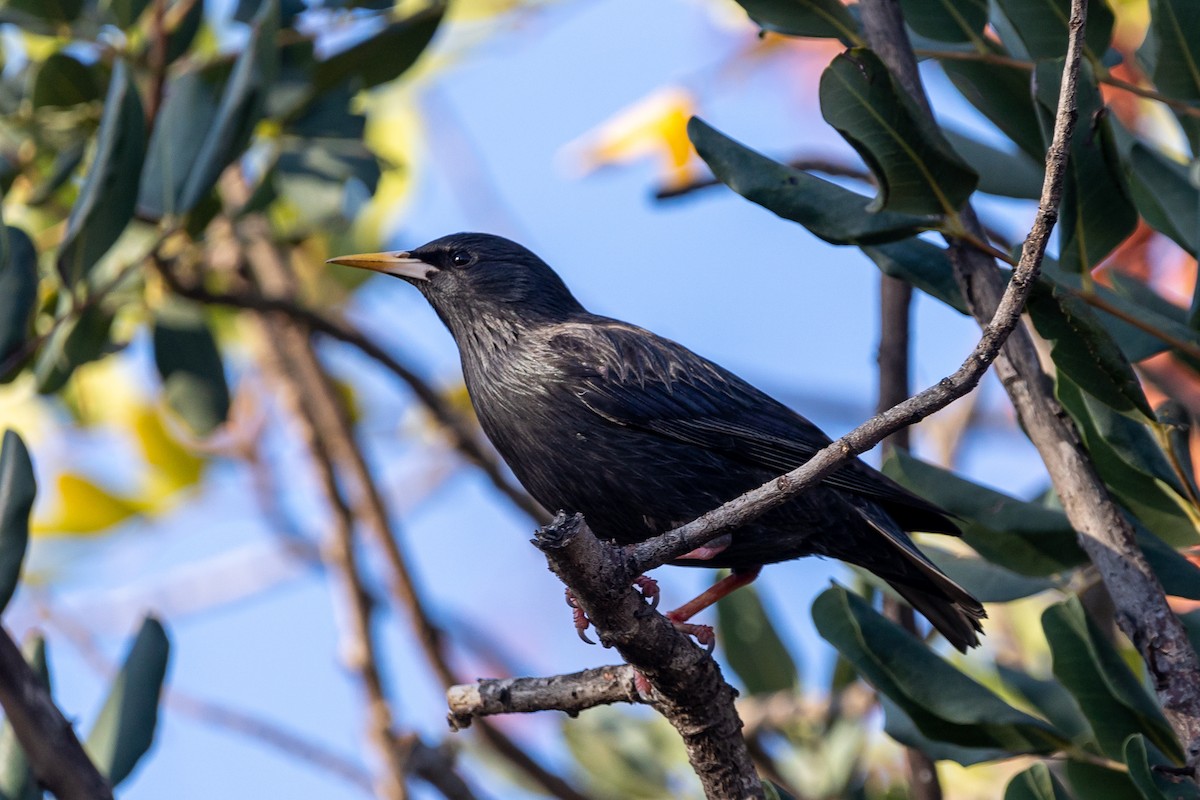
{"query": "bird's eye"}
(460, 258)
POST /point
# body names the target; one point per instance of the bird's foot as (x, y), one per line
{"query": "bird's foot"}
(642, 684)
(581, 621)
(703, 634)
(649, 589)
(707, 551)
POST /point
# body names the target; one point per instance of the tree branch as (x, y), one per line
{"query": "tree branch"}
(54, 753)
(1103, 530)
(688, 688)
(571, 694)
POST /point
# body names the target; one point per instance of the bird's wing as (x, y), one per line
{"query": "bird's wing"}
(633, 378)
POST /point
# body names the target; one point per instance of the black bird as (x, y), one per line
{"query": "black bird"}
(640, 434)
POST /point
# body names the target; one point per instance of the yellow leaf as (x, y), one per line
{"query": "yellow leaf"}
(171, 465)
(83, 507)
(654, 127)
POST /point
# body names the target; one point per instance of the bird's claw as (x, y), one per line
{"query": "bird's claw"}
(642, 684)
(580, 618)
(703, 634)
(649, 589)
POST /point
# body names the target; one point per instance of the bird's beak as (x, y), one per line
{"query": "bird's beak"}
(402, 265)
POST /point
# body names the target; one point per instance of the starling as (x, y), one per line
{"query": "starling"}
(640, 434)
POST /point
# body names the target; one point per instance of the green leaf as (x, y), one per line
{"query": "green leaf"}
(1179, 576)
(82, 337)
(124, 730)
(1052, 701)
(1084, 351)
(1001, 173)
(944, 703)
(106, 201)
(947, 20)
(64, 81)
(125, 12)
(383, 56)
(1042, 26)
(624, 756)
(1171, 52)
(196, 135)
(988, 582)
(1165, 197)
(823, 19)
(923, 264)
(917, 170)
(901, 727)
(18, 293)
(1002, 94)
(17, 781)
(752, 647)
(1035, 783)
(1152, 784)
(58, 11)
(1110, 696)
(837, 215)
(190, 365)
(1027, 538)
(1152, 501)
(65, 163)
(1097, 211)
(1089, 780)
(181, 36)
(17, 490)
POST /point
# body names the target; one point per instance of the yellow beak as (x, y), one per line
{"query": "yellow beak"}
(402, 265)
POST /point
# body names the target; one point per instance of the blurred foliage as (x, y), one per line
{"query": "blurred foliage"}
(139, 136)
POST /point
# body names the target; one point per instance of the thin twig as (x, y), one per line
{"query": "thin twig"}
(54, 753)
(571, 694)
(1102, 529)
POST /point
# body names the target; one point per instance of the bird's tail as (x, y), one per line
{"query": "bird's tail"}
(949, 607)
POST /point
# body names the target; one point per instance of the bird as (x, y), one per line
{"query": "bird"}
(639, 434)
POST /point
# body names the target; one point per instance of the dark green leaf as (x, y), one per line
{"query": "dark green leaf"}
(124, 730)
(1151, 783)
(1179, 576)
(64, 81)
(1035, 783)
(1002, 173)
(80, 338)
(1084, 351)
(917, 170)
(48, 10)
(63, 167)
(825, 19)
(1171, 52)
(900, 727)
(1003, 95)
(943, 703)
(196, 135)
(988, 582)
(1027, 538)
(1052, 701)
(1097, 211)
(1110, 696)
(190, 365)
(837, 215)
(18, 293)
(947, 20)
(17, 781)
(752, 647)
(1042, 26)
(126, 12)
(181, 35)
(106, 201)
(923, 264)
(1165, 197)
(17, 490)
(382, 56)
(1153, 502)
(1089, 780)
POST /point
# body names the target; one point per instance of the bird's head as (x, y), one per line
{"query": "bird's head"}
(476, 280)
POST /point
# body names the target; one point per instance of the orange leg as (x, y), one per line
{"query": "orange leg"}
(712, 594)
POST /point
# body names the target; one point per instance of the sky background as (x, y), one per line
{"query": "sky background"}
(760, 295)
